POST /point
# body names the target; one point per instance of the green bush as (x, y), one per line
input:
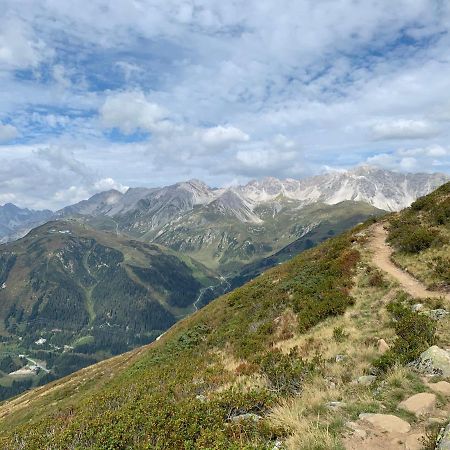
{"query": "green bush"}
(286, 373)
(411, 238)
(415, 333)
(339, 335)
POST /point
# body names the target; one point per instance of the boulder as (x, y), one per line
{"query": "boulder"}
(434, 361)
(356, 430)
(383, 346)
(444, 441)
(386, 422)
(335, 405)
(248, 416)
(417, 307)
(438, 314)
(366, 380)
(441, 387)
(419, 404)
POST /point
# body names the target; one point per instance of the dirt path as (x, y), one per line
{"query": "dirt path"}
(382, 259)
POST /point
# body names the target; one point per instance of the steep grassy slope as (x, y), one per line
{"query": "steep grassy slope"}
(421, 238)
(276, 363)
(70, 295)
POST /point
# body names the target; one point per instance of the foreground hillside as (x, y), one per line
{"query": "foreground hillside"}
(314, 354)
(70, 296)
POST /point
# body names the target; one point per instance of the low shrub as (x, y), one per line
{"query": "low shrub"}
(415, 333)
(286, 373)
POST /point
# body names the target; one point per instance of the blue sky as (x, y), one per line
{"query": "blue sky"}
(97, 94)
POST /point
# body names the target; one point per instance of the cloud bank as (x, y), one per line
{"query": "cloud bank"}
(151, 92)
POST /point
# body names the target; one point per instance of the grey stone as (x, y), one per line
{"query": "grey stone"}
(434, 361)
(335, 405)
(247, 416)
(438, 314)
(340, 358)
(444, 439)
(366, 380)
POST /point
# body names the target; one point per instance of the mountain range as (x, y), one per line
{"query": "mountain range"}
(227, 228)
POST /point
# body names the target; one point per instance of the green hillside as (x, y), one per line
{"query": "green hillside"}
(289, 360)
(71, 296)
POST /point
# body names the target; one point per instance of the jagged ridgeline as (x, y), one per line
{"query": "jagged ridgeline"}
(70, 296)
(178, 393)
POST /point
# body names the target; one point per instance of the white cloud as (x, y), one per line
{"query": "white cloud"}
(217, 83)
(49, 177)
(423, 159)
(8, 132)
(106, 184)
(220, 136)
(131, 111)
(435, 151)
(19, 47)
(403, 129)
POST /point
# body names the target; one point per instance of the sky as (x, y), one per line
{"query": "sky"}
(101, 94)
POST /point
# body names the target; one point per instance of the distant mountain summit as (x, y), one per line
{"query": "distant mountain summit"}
(15, 221)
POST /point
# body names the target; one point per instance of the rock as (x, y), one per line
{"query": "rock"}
(434, 361)
(278, 444)
(366, 380)
(419, 404)
(444, 441)
(438, 314)
(357, 430)
(417, 307)
(414, 442)
(442, 387)
(247, 416)
(340, 358)
(383, 346)
(201, 398)
(436, 420)
(335, 405)
(386, 422)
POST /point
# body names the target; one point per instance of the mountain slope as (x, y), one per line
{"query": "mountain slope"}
(280, 362)
(70, 295)
(16, 222)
